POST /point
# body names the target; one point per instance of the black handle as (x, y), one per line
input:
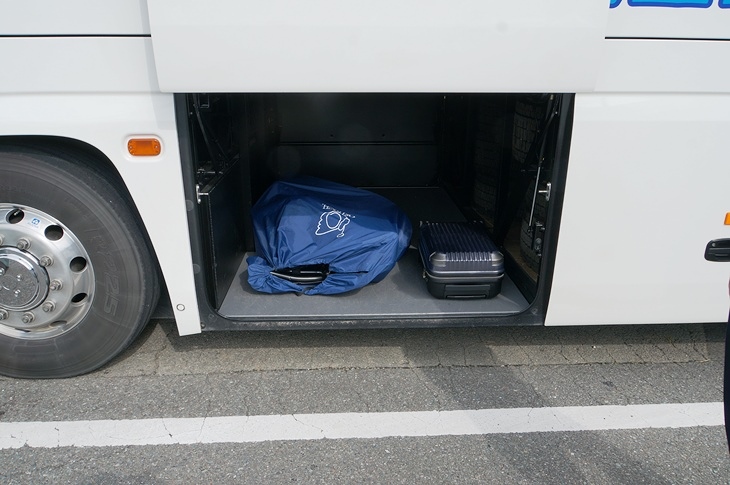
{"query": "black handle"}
(718, 250)
(310, 274)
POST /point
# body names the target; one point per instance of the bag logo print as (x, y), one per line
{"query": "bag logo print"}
(332, 220)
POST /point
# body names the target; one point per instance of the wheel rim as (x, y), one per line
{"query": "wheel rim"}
(46, 277)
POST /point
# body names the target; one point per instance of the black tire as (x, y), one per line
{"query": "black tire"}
(124, 286)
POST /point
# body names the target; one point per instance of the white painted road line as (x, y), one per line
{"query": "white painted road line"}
(251, 429)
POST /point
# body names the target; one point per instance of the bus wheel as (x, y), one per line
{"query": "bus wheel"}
(77, 280)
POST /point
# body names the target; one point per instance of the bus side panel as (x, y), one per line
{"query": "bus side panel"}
(647, 189)
(664, 66)
(84, 65)
(74, 17)
(104, 115)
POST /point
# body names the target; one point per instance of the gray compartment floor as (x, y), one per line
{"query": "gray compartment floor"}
(402, 294)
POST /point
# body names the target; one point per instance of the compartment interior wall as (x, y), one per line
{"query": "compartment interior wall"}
(363, 140)
(460, 143)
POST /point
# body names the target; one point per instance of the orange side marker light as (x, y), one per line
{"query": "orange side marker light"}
(144, 147)
(727, 219)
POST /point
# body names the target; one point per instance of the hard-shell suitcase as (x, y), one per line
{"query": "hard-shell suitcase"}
(460, 260)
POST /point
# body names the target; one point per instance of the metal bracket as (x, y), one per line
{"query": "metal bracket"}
(538, 234)
(546, 191)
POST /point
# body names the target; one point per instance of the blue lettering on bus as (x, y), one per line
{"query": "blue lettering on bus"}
(671, 3)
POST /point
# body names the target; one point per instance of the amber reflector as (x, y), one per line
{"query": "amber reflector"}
(727, 219)
(144, 147)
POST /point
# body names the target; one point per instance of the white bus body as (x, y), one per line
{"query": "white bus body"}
(638, 155)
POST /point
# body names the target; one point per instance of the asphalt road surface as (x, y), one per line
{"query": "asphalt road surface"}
(628, 405)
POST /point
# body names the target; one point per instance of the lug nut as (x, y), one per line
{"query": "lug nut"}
(46, 261)
(3, 314)
(55, 285)
(48, 306)
(27, 318)
(1, 239)
(23, 244)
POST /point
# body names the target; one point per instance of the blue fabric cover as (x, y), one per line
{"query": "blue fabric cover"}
(305, 221)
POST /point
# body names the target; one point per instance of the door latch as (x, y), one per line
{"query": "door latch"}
(718, 250)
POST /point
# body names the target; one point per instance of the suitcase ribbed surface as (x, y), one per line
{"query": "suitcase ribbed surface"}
(459, 247)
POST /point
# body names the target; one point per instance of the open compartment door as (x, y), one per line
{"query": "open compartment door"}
(377, 46)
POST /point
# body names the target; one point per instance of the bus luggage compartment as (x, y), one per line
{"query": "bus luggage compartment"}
(439, 157)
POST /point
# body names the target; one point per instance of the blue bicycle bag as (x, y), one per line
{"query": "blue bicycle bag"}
(318, 237)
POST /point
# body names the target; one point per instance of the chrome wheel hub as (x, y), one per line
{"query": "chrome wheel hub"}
(46, 277)
(23, 282)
